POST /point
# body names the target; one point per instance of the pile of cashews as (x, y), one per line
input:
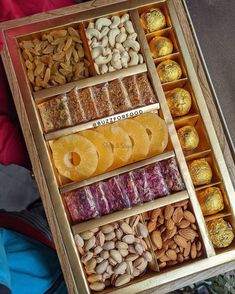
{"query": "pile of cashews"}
(113, 43)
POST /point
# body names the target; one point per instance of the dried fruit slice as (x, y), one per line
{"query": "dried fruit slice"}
(103, 147)
(120, 141)
(139, 137)
(157, 131)
(86, 157)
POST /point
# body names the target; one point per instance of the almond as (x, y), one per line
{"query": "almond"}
(188, 234)
(168, 211)
(180, 203)
(151, 226)
(183, 224)
(156, 239)
(171, 262)
(162, 265)
(162, 228)
(199, 254)
(199, 246)
(171, 254)
(180, 241)
(189, 216)
(164, 258)
(169, 224)
(180, 258)
(187, 250)
(160, 252)
(177, 215)
(155, 214)
(194, 227)
(193, 251)
(169, 234)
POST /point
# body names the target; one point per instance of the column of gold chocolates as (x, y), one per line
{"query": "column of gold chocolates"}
(188, 122)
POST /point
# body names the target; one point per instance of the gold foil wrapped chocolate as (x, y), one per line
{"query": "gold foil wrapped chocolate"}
(179, 101)
(169, 71)
(160, 46)
(200, 171)
(211, 200)
(188, 137)
(221, 233)
(153, 20)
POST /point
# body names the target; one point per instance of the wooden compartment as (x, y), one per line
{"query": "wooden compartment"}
(178, 29)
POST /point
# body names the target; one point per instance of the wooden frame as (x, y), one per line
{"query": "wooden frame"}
(34, 138)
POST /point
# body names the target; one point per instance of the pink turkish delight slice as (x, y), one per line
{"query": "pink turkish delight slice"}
(172, 175)
(81, 205)
(128, 187)
(100, 199)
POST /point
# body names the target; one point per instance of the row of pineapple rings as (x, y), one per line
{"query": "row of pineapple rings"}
(92, 152)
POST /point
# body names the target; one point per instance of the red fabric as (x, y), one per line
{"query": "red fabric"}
(12, 147)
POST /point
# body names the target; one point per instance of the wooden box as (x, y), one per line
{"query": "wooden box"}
(203, 116)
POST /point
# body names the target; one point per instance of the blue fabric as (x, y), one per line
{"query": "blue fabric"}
(27, 266)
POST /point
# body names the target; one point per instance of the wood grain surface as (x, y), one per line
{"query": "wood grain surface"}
(37, 168)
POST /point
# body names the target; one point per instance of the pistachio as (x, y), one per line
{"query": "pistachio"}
(129, 239)
(87, 235)
(97, 286)
(109, 245)
(121, 245)
(142, 231)
(78, 240)
(120, 268)
(122, 280)
(94, 278)
(116, 255)
(107, 229)
(100, 239)
(123, 252)
(90, 243)
(110, 236)
(90, 265)
(87, 257)
(126, 228)
(101, 267)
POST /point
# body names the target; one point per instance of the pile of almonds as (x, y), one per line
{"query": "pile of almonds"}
(115, 253)
(174, 234)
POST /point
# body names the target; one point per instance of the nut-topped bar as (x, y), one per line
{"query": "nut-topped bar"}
(135, 178)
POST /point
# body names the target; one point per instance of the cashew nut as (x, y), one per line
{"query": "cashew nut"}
(119, 47)
(124, 18)
(101, 22)
(95, 52)
(104, 32)
(91, 25)
(95, 43)
(116, 21)
(116, 61)
(97, 68)
(132, 37)
(103, 59)
(121, 37)
(141, 59)
(111, 68)
(129, 27)
(124, 59)
(103, 69)
(112, 36)
(106, 51)
(134, 58)
(104, 41)
(93, 33)
(132, 44)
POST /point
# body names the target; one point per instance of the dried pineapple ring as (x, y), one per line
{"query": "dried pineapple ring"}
(120, 142)
(139, 136)
(103, 147)
(63, 150)
(157, 130)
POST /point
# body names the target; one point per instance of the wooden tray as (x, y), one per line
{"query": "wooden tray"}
(217, 152)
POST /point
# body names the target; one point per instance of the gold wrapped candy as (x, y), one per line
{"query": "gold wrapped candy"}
(179, 101)
(153, 20)
(221, 233)
(160, 46)
(169, 71)
(211, 200)
(200, 172)
(188, 137)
